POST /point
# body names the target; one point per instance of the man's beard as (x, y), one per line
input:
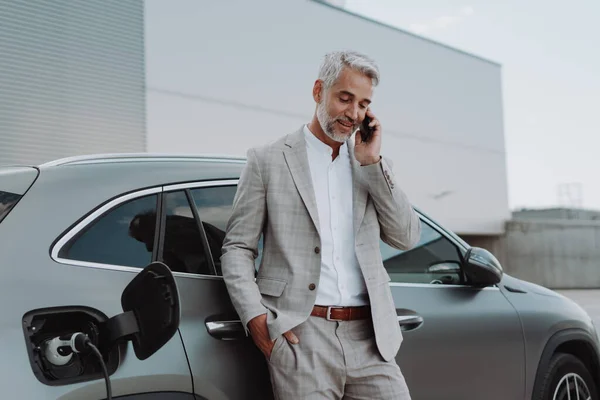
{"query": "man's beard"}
(328, 124)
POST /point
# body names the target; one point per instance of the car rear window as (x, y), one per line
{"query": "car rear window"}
(7, 202)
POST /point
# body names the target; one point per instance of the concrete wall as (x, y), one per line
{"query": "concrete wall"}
(557, 254)
(558, 213)
(223, 76)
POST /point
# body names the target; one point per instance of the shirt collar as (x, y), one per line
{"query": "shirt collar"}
(319, 146)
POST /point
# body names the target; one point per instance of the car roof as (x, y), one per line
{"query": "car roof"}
(91, 178)
(132, 157)
(165, 167)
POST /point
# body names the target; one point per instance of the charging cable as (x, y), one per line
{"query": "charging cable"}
(57, 352)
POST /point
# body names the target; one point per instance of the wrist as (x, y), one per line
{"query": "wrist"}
(256, 320)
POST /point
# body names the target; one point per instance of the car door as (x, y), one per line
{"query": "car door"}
(460, 342)
(225, 363)
(80, 290)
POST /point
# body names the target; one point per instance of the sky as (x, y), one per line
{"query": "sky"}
(550, 56)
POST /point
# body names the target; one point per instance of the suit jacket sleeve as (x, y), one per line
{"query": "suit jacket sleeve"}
(240, 247)
(399, 223)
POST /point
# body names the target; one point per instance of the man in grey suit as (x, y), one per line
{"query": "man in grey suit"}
(320, 307)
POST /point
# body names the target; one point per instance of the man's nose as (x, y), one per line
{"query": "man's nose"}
(352, 112)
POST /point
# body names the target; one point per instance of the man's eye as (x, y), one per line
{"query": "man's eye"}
(343, 100)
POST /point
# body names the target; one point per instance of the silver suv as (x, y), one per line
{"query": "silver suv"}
(83, 244)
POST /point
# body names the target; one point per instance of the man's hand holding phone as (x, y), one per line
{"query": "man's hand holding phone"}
(367, 146)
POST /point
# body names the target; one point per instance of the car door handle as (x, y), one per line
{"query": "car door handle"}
(226, 330)
(410, 322)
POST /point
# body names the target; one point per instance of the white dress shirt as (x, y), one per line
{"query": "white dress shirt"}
(341, 282)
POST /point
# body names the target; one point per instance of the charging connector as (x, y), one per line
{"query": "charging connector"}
(59, 351)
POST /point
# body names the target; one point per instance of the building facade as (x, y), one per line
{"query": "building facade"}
(189, 76)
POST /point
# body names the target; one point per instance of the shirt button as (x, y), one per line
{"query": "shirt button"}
(312, 286)
(317, 250)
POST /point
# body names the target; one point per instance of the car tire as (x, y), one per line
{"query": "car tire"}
(566, 372)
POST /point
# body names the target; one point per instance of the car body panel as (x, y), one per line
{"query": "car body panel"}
(222, 369)
(471, 339)
(52, 284)
(14, 183)
(32, 280)
(544, 314)
(17, 179)
(468, 335)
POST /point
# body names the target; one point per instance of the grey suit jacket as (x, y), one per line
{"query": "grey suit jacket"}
(275, 197)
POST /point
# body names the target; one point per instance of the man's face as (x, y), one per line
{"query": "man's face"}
(342, 107)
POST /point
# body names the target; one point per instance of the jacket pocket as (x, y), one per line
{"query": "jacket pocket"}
(271, 286)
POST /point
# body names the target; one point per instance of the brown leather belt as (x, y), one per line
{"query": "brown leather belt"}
(341, 313)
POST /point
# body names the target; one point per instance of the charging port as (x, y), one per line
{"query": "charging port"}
(47, 332)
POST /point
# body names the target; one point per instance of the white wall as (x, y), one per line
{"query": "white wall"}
(226, 75)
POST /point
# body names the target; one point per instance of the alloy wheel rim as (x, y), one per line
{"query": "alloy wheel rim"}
(572, 387)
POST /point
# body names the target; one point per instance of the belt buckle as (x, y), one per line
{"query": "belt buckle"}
(328, 317)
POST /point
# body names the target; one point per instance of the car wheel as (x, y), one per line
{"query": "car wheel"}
(567, 378)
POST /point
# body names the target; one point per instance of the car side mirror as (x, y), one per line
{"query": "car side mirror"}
(481, 267)
(151, 311)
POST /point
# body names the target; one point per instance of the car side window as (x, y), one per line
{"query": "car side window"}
(124, 236)
(435, 259)
(214, 205)
(183, 248)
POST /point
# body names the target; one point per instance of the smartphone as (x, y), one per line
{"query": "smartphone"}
(365, 130)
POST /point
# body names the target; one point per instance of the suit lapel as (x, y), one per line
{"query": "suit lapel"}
(360, 193)
(296, 158)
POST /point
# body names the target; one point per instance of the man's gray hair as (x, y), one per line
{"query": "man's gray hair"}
(334, 63)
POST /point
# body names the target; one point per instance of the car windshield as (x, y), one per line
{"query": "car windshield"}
(7, 202)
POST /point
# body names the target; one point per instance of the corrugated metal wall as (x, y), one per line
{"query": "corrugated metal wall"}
(72, 78)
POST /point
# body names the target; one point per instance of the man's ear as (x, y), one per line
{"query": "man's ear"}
(318, 91)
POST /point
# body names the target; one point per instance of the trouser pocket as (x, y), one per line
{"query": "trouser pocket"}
(279, 343)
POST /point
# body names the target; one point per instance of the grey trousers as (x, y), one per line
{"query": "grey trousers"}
(334, 360)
